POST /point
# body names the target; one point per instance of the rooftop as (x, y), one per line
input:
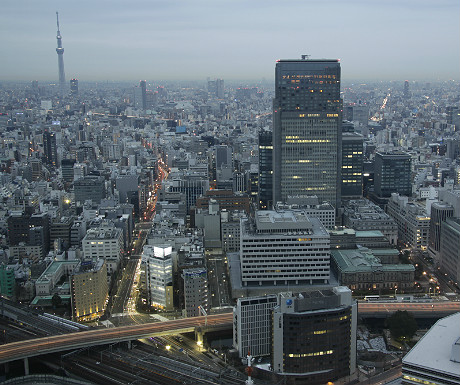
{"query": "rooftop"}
(433, 351)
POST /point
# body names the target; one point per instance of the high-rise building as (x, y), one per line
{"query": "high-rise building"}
(195, 291)
(140, 95)
(352, 165)
(307, 129)
(158, 275)
(406, 88)
(392, 174)
(60, 53)
(251, 325)
(216, 88)
(89, 290)
(143, 86)
(224, 156)
(265, 170)
(50, 148)
(74, 86)
(67, 169)
(412, 220)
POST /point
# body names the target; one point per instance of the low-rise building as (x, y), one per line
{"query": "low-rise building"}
(362, 269)
(363, 215)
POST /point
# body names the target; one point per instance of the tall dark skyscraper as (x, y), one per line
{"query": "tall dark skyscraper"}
(50, 148)
(265, 170)
(60, 53)
(307, 129)
(392, 174)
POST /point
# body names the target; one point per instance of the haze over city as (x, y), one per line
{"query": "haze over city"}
(173, 40)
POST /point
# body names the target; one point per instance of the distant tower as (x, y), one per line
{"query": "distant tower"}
(60, 53)
(74, 86)
(406, 89)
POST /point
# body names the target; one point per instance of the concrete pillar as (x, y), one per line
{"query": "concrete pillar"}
(129, 345)
(26, 366)
(7, 367)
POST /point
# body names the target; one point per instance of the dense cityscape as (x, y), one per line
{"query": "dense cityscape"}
(303, 229)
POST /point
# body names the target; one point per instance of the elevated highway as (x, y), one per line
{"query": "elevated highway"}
(35, 347)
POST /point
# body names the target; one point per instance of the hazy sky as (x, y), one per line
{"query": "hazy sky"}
(238, 39)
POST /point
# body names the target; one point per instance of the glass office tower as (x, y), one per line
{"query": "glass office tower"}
(307, 129)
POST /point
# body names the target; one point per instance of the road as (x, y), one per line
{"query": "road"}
(35, 347)
(415, 307)
(39, 346)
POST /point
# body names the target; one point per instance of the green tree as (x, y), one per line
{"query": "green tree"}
(402, 325)
(56, 300)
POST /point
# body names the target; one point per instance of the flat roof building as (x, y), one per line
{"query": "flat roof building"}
(283, 247)
(435, 359)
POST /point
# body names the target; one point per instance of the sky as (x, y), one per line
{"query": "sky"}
(240, 39)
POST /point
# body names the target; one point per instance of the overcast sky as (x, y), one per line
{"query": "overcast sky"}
(238, 39)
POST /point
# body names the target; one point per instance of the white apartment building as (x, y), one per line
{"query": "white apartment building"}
(158, 275)
(284, 247)
(104, 242)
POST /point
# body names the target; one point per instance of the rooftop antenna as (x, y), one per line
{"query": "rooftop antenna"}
(57, 20)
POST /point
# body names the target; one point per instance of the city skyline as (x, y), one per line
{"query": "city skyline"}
(415, 40)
